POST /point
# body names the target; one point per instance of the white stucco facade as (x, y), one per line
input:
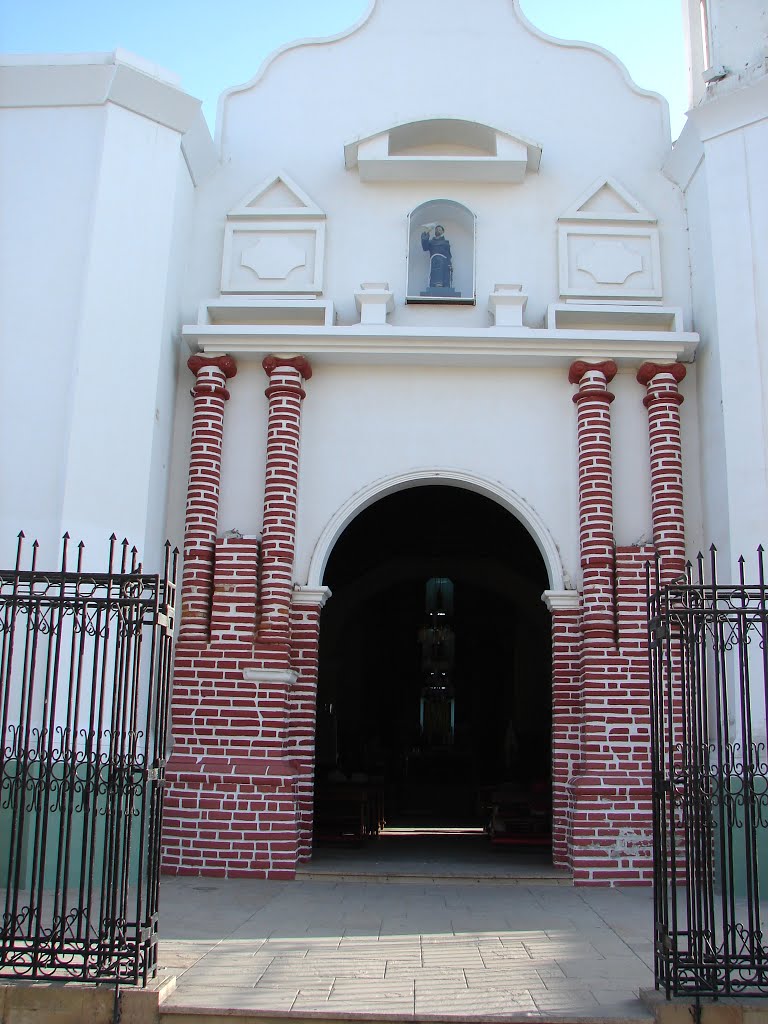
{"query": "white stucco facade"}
(586, 253)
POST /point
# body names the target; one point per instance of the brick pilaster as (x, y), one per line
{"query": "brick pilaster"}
(596, 540)
(235, 582)
(306, 607)
(209, 394)
(567, 713)
(285, 394)
(663, 402)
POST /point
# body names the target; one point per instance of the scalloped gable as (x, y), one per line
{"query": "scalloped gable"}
(524, 61)
(443, 149)
(277, 196)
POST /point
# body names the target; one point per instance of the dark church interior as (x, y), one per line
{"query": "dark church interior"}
(434, 696)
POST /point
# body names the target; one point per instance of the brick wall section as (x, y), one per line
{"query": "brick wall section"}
(230, 805)
(612, 821)
(235, 590)
(209, 394)
(305, 633)
(663, 403)
(566, 716)
(236, 799)
(285, 395)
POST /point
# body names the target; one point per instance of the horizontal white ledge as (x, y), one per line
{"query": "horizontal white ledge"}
(383, 345)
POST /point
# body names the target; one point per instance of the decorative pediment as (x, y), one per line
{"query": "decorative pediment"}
(443, 149)
(278, 196)
(274, 242)
(609, 247)
(606, 199)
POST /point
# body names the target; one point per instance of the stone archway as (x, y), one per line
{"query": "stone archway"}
(505, 497)
(371, 701)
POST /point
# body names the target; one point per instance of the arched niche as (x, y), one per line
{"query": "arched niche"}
(427, 279)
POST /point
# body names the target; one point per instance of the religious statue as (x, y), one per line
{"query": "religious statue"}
(440, 261)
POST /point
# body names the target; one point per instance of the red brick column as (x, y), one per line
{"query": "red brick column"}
(596, 541)
(607, 811)
(209, 394)
(663, 403)
(306, 607)
(285, 393)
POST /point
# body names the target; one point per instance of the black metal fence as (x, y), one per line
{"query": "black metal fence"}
(709, 681)
(85, 663)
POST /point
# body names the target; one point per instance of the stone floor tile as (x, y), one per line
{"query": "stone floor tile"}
(473, 1002)
(565, 1001)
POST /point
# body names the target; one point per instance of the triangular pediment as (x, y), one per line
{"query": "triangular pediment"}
(277, 196)
(606, 199)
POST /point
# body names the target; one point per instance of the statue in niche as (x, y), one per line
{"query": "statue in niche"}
(440, 262)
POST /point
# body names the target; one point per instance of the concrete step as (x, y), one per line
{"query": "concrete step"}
(186, 1015)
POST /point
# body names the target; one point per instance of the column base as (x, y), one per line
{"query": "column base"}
(229, 817)
(612, 830)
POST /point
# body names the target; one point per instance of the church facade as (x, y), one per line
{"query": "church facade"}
(473, 328)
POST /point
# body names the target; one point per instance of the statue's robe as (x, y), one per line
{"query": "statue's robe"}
(440, 265)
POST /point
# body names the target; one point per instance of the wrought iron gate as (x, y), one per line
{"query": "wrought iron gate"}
(85, 664)
(709, 686)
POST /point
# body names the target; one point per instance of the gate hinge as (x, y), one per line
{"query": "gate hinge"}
(660, 630)
(156, 773)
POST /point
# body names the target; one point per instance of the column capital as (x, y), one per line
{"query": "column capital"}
(580, 368)
(226, 364)
(300, 363)
(655, 376)
(648, 371)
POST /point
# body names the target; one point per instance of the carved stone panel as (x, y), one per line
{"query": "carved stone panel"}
(609, 262)
(274, 241)
(609, 247)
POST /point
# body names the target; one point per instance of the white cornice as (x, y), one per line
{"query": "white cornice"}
(480, 346)
(732, 110)
(561, 600)
(309, 597)
(77, 80)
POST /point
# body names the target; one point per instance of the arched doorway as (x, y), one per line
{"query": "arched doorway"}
(448, 737)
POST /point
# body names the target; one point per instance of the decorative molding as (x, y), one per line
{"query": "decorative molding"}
(585, 249)
(274, 241)
(241, 276)
(443, 149)
(594, 316)
(648, 371)
(247, 310)
(608, 246)
(508, 499)
(562, 600)
(272, 362)
(374, 302)
(278, 187)
(310, 597)
(383, 344)
(506, 304)
(93, 79)
(273, 676)
(607, 200)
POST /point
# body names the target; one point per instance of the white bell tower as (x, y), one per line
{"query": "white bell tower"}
(726, 42)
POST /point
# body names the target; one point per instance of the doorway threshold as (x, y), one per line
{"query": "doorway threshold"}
(433, 854)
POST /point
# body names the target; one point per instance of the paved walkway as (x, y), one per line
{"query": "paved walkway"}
(506, 945)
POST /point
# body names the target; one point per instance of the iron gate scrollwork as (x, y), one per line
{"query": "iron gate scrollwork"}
(709, 685)
(85, 662)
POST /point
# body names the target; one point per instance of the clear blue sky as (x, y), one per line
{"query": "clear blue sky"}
(213, 45)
